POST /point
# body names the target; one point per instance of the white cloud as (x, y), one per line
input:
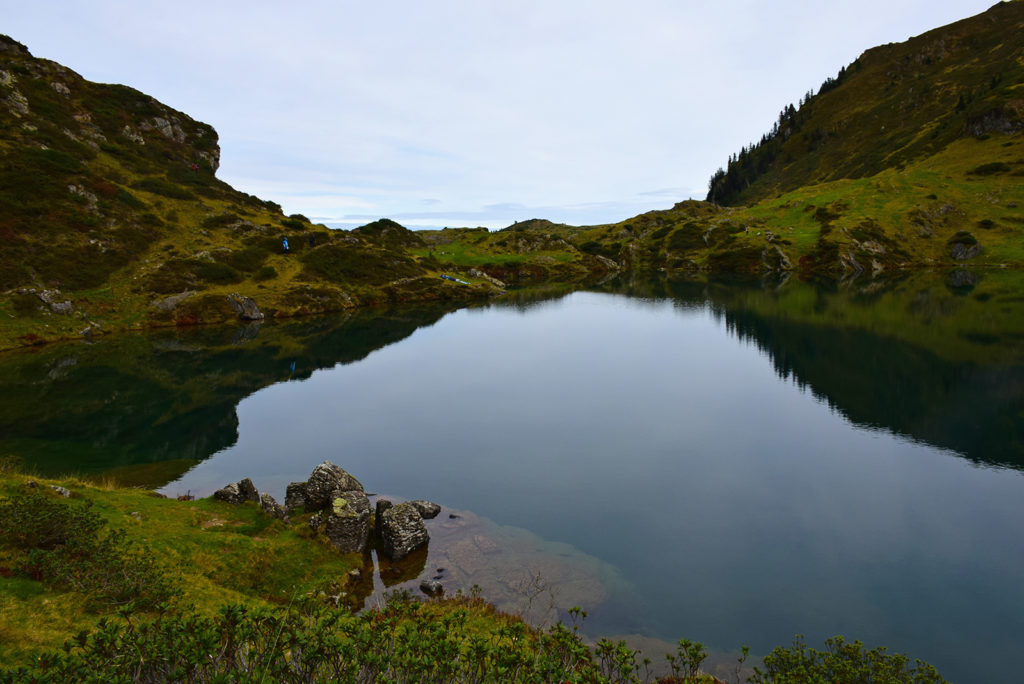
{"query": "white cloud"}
(573, 107)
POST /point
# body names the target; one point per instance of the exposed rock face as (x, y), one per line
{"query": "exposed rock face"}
(230, 494)
(245, 307)
(962, 251)
(238, 492)
(248, 490)
(402, 531)
(347, 523)
(428, 510)
(295, 496)
(270, 506)
(324, 481)
(378, 516)
(171, 303)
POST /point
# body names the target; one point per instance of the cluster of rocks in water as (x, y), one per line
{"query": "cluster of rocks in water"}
(341, 510)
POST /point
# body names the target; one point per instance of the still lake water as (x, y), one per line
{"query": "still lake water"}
(743, 464)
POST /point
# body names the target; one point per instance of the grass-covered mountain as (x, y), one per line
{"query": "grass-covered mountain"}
(912, 156)
(111, 216)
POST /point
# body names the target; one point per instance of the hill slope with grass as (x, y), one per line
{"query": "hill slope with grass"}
(913, 156)
(111, 216)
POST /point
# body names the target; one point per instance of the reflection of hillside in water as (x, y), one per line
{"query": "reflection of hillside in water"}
(147, 407)
(924, 358)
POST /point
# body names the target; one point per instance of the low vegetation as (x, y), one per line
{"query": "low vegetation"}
(122, 585)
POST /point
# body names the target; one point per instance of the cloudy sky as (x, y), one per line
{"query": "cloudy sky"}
(472, 112)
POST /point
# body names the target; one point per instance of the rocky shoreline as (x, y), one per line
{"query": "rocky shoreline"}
(341, 511)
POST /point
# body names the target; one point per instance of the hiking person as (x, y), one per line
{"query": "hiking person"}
(285, 242)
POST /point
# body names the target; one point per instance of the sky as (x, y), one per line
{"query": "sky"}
(472, 112)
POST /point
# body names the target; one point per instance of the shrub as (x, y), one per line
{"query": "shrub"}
(841, 663)
(990, 169)
(159, 186)
(37, 521)
(265, 273)
(65, 548)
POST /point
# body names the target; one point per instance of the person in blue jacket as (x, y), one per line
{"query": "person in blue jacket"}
(286, 245)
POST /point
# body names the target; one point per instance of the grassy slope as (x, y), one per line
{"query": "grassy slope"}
(111, 198)
(222, 554)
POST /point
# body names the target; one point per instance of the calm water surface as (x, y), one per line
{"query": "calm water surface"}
(745, 465)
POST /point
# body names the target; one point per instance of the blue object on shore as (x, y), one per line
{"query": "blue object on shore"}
(454, 280)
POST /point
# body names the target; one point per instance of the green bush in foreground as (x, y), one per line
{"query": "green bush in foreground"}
(63, 546)
(842, 663)
(67, 545)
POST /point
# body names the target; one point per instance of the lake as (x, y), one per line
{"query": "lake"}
(726, 462)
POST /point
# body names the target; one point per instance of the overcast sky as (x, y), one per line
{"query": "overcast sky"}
(466, 113)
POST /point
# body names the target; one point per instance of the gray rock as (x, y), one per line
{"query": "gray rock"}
(171, 303)
(295, 496)
(431, 587)
(315, 521)
(962, 251)
(402, 531)
(378, 516)
(245, 307)
(230, 494)
(427, 509)
(347, 521)
(238, 492)
(326, 479)
(270, 506)
(63, 491)
(248, 490)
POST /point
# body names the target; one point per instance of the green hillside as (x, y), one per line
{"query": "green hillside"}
(893, 105)
(112, 217)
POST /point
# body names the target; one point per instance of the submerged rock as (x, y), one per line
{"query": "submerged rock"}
(402, 531)
(326, 479)
(431, 587)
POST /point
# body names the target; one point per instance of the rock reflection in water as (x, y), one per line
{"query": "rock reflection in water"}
(513, 569)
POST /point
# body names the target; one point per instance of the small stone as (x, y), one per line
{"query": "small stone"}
(136, 515)
(431, 587)
(427, 509)
(66, 493)
(452, 516)
(355, 573)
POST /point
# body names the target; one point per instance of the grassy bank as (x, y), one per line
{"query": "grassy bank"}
(105, 584)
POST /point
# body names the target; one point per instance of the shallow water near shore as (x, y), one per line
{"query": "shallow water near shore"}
(726, 463)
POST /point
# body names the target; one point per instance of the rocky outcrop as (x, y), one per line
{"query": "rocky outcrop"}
(270, 506)
(342, 512)
(402, 531)
(295, 496)
(245, 307)
(347, 521)
(324, 481)
(238, 492)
